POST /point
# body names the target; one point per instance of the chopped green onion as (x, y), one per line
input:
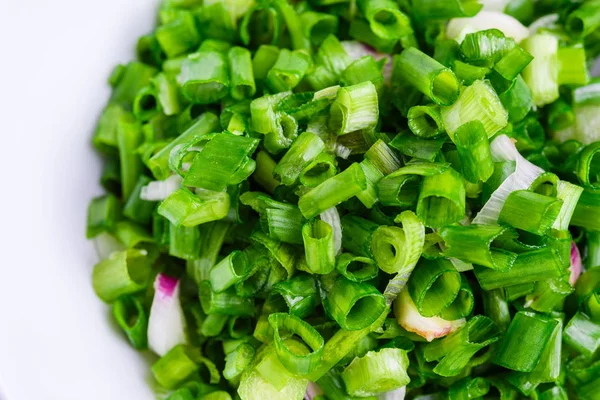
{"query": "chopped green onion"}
(529, 211)
(428, 76)
(473, 244)
(184, 242)
(204, 77)
(320, 169)
(306, 148)
(123, 272)
(383, 157)
(587, 211)
(132, 318)
(583, 20)
(237, 361)
(354, 306)
(529, 267)
(176, 366)
(318, 238)
(242, 75)
(229, 271)
(300, 295)
(288, 71)
(185, 208)
(412, 146)
(220, 162)
(583, 334)
(263, 174)
(385, 18)
(473, 149)
(476, 102)
(572, 68)
(300, 364)
(103, 213)
(442, 199)
(433, 10)
(333, 191)
(523, 344)
(454, 351)
(515, 96)
(225, 303)
(356, 107)
(376, 372)
(178, 36)
(356, 269)
(541, 75)
(159, 163)
(425, 121)
(318, 26)
(433, 286)
(468, 388)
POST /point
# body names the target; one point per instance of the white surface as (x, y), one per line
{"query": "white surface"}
(55, 341)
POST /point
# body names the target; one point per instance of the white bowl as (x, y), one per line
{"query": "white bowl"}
(56, 342)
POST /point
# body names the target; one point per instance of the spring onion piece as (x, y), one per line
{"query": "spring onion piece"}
(474, 151)
(522, 351)
(584, 20)
(541, 75)
(333, 191)
(376, 372)
(237, 361)
(428, 76)
(454, 351)
(124, 272)
(442, 199)
(583, 334)
(425, 121)
(300, 295)
(476, 102)
(529, 211)
(176, 366)
(413, 236)
(528, 267)
(587, 210)
(356, 107)
(433, 286)
(102, 215)
(300, 364)
(183, 207)
(319, 244)
(353, 305)
(288, 70)
(132, 319)
(416, 147)
(225, 303)
(305, 149)
(166, 325)
(204, 77)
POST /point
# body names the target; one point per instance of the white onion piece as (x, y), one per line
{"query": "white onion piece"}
(397, 394)
(494, 5)
(544, 22)
(503, 149)
(429, 328)
(106, 244)
(332, 217)
(575, 267)
(342, 151)
(160, 190)
(166, 325)
(458, 28)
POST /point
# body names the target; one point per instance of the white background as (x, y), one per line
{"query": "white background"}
(55, 56)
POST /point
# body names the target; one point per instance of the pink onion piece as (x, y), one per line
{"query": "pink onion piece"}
(166, 326)
(312, 391)
(427, 327)
(575, 267)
